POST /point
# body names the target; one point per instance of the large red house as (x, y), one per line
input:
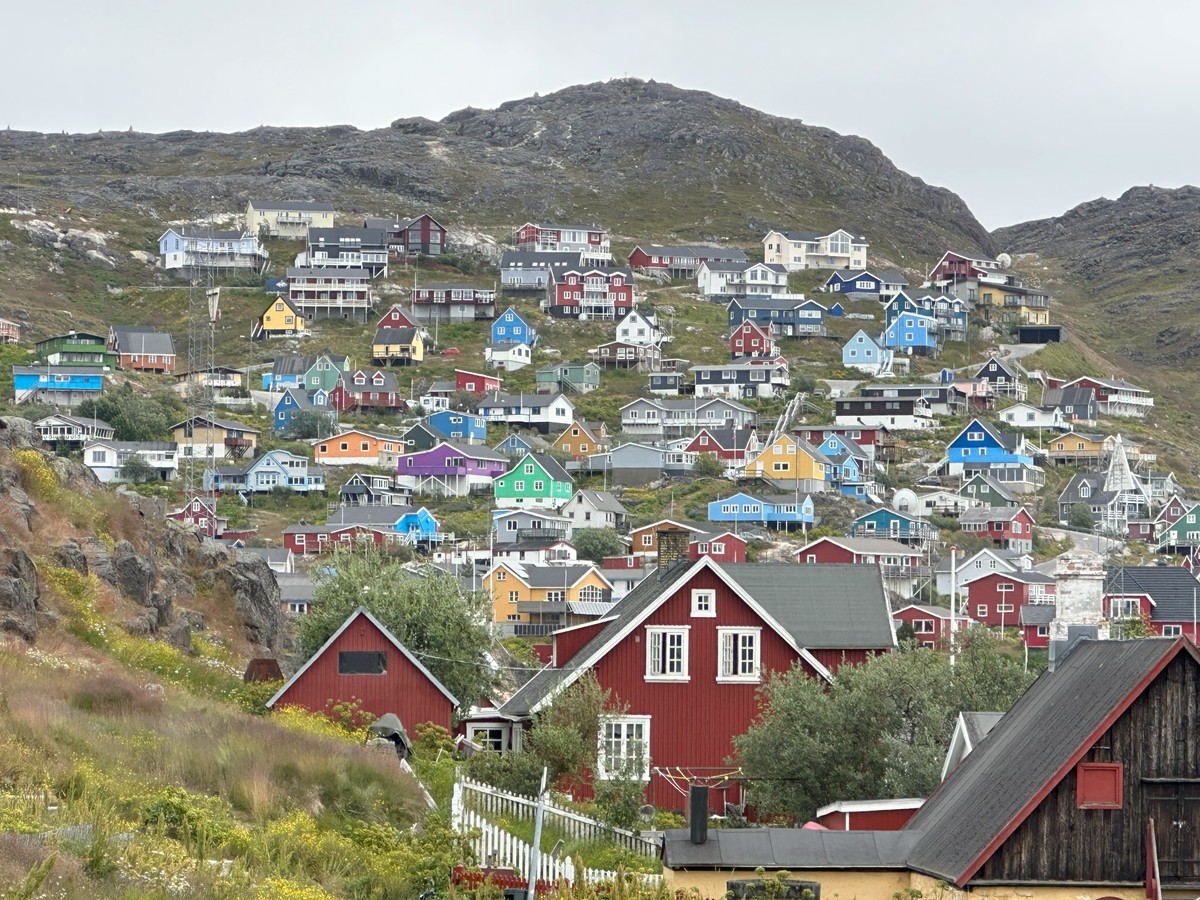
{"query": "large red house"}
(732, 445)
(367, 391)
(930, 624)
(681, 260)
(899, 563)
(996, 598)
(395, 317)
(1167, 597)
(597, 293)
(362, 661)
(750, 340)
(309, 539)
(721, 546)
(475, 383)
(1010, 527)
(687, 651)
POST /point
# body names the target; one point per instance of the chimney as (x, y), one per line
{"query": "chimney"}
(698, 814)
(1078, 603)
(672, 547)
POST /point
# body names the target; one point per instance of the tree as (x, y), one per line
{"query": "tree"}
(880, 730)
(1081, 518)
(136, 470)
(708, 465)
(133, 416)
(444, 627)
(308, 424)
(596, 543)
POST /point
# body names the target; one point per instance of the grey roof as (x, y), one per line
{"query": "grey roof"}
(886, 276)
(1034, 741)
(787, 848)
(1038, 613)
(821, 606)
(1172, 588)
(212, 234)
(136, 339)
(697, 250)
(981, 515)
(368, 515)
(603, 501)
(452, 286)
(552, 226)
(299, 396)
(395, 335)
(769, 302)
(980, 724)
(295, 587)
(555, 274)
(1068, 396)
(552, 466)
(387, 385)
(370, 237)
(132, 446)
(534, 401)
(270, 554)
(531, 259)
(992, 484)
(291, 205)
(878, 546)
(596, 608)
(344, 274)
(227, 424)
(298, 363)
(802, 235)
(474, 451)
(555, 576)
(78, 421)
(1097, 496)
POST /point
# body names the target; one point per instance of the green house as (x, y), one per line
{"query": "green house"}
(568, 377)
(536, 481)
(988, 492)
(325, 371)
(76, 348)
(1183, 533)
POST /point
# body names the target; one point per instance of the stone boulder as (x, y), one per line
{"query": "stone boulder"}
(134, 573)
(71, 556)
(255, 593)
(98, 560)
(19, 593)
(18, 434)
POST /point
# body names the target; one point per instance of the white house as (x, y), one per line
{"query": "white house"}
(189, 247)
(507, 357)
(1026, 415)
(640, 329)
(595, 509)
(796, 250)
(107, 458)
(732, 279)
(545, 412)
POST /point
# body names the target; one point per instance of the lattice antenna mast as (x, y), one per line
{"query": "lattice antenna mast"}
(203, 312)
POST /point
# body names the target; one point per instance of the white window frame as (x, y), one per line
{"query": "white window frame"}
(655, 634)
(727, 651)
(704, 604)
(626, 724)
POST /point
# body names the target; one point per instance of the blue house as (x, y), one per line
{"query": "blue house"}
(510, 328)
(980, 445)
(948, 311)
(837, 309)
(862, 352)
(459, 426)
(517, 444)
(274, 469)
(896, 526)
(912, 333)
(885, 283)
(289, 403)
(784, 317)
(56, 385)
(781, 511)
(419, 524)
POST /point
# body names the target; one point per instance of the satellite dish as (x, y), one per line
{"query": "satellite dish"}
(646, 813)
(1004, 259)
(904, 501)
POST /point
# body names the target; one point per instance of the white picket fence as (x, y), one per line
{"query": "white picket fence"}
(496, 803)
(495, 847)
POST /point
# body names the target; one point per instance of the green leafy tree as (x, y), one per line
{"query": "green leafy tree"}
(596, 543)
(1081, 518)
(309, 424)
(880, 730)
(444, 627)
(133, 416)
(136, 470)
(708, 465)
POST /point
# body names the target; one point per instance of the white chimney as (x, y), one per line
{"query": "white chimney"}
(1078, 601)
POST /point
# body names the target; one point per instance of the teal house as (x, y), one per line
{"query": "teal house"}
(535, 481)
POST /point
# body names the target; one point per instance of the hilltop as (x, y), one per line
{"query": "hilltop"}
(648, 160)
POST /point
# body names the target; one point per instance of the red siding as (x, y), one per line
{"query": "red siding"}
(835, 659)
(475, 382)
(984, 595)
(734, 552)
(640, 259)
(692, 723)
(403, 690)
(867, 820)
(568, 643)
(395, 318)
(938, 636)
(827, 552)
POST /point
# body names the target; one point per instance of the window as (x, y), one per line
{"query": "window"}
(981, 610)
(539, 485)
(666, 654)
(1172, 630)
(362, 662)
(739, 648)
(1004, 607)
(1043, 631)
(1125, 608)
(514, 596)
(624, 749)
(502, 575)
(647, 540)
(923, 626)
(704, 604)
(1099, 785)
(518, 485)
(556, 596)
(591, 593)
(487, 738)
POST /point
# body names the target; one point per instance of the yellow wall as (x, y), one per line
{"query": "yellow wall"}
(276, 319)
(574, 444)
(393, 351)
(210, 436)
(502, 607)
(255, 217)
(1070, 445)
(882, 885)
(798, 463)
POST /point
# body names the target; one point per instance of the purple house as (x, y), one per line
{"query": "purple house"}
(451, 469)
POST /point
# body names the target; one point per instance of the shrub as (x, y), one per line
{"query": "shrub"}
(109, 695)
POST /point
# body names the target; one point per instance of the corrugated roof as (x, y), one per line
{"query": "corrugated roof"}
(1173, 589)
(787, 848)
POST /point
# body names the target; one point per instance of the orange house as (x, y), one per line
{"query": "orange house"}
(581, 439)
(356, 447)
(644, 540)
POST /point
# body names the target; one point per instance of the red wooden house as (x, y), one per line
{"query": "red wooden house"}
(868, 815)
(396, 317)
(687, 652)
(367, 391)
(475, 383)
(996, 599)
(721, 546)
(1008, 527)
(730, 445)
(1035, 624)
(305, 540)
(930, 624)
(750, 340)
(899, 563)
(1167, 597)
(1173, 510)
(596, 293)
(202, 513)
(362, 661)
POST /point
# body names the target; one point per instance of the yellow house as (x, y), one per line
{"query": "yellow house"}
(582, 439)
(1076, 447)
(287, 219)
(397, 347)
(279, 319)
(788, 458)
(203, 437)
(527, 594)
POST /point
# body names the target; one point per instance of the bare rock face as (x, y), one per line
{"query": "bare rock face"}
(71, 556)
(19, 593)
(98, 560)
(255, 594)
(18, 434)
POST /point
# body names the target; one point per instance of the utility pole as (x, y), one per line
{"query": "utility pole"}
(953, 602)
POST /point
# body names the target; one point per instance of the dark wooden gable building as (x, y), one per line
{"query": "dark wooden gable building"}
(363, 661)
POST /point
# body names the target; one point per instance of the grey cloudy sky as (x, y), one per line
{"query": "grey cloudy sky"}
(1024, 108)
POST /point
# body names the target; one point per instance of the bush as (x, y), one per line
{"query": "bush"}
(108, 696)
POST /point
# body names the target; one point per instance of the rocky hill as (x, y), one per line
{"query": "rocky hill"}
(649, 160)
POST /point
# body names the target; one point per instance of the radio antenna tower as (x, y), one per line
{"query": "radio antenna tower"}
(204, 299)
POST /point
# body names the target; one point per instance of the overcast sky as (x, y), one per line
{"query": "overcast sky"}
(1024, 108)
